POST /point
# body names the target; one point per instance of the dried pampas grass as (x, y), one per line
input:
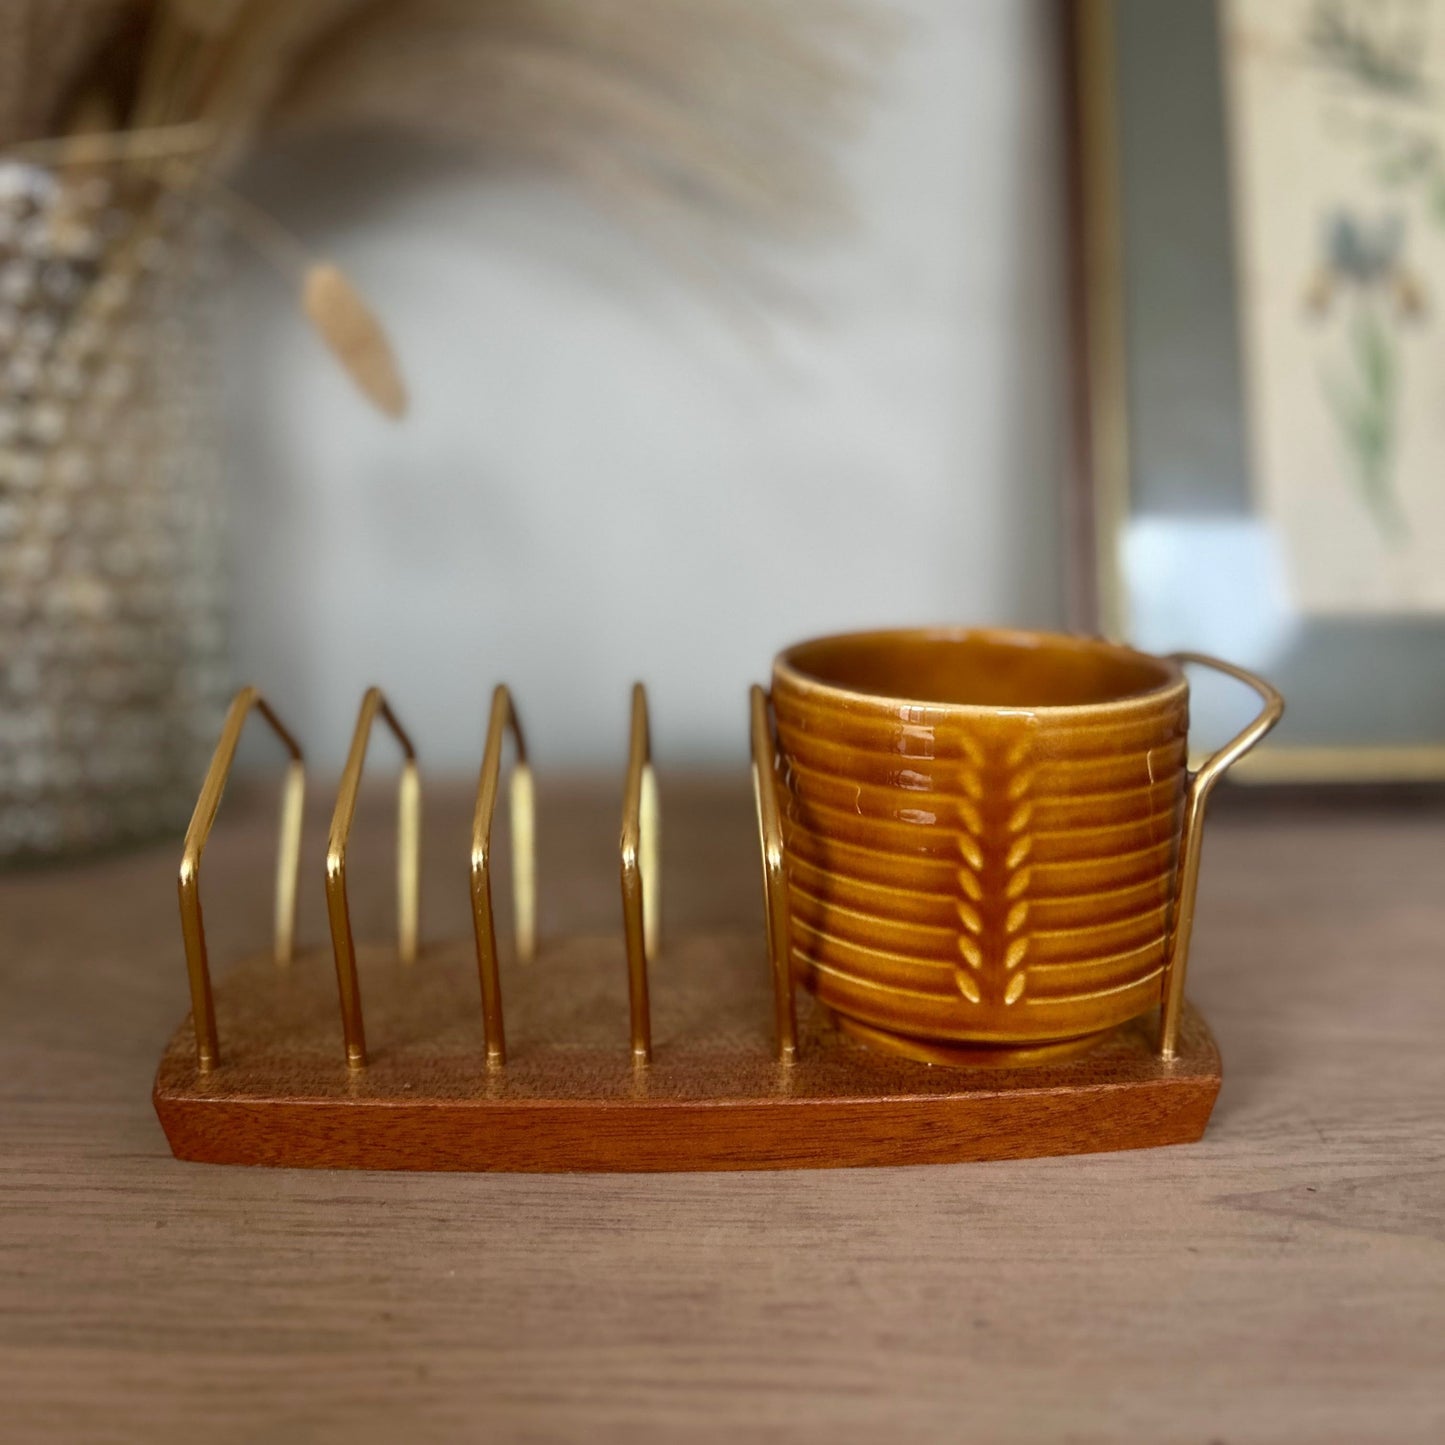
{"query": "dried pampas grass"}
(346, 323)
(51, 50)
(728, 105)
(707, 123)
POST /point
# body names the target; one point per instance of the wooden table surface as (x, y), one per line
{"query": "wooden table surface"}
(1282, 1281)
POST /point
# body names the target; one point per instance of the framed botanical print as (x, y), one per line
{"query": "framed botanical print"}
(1259, 191)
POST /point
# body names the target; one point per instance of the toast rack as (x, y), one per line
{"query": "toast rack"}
(539, 1054)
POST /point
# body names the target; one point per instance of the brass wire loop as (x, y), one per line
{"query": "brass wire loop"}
(1192, 838)
(408, 849)
(641, 825)
(524, 866)
(775, 878)
(288, 859)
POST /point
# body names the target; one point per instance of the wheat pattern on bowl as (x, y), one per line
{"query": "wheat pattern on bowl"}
(982, 832)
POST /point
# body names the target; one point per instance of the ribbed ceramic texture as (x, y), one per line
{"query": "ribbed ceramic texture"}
(982, 876)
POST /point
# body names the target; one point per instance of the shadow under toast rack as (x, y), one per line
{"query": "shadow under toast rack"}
(727, 1073)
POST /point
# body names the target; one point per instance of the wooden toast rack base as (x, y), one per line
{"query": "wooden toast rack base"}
(570, 1098)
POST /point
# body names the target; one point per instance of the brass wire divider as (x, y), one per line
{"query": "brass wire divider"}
(1201, 784)
(727, 1068)
(640, 881)
(408, 858)
(288, 864)
(524, 866)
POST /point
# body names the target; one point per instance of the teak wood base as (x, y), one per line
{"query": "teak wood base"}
(570, 1097)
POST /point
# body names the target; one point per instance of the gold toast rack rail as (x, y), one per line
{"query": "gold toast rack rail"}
(639, 855)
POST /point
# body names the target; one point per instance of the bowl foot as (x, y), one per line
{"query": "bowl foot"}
(965, 1055)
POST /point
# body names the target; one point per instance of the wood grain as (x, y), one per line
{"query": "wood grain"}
(571, 1098)
(1281, 1281)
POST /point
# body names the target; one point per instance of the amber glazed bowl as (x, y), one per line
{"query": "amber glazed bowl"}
(982, 833)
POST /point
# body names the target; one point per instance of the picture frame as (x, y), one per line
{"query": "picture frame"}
(1177, 541)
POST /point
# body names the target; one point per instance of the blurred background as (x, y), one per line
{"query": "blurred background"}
(437, 343)
(609, 471)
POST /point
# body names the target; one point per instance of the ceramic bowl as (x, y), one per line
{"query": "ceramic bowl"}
(982, 832)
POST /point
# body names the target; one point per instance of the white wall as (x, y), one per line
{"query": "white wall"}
(602, 481)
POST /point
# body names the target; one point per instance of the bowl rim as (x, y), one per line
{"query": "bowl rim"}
(786, 669)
